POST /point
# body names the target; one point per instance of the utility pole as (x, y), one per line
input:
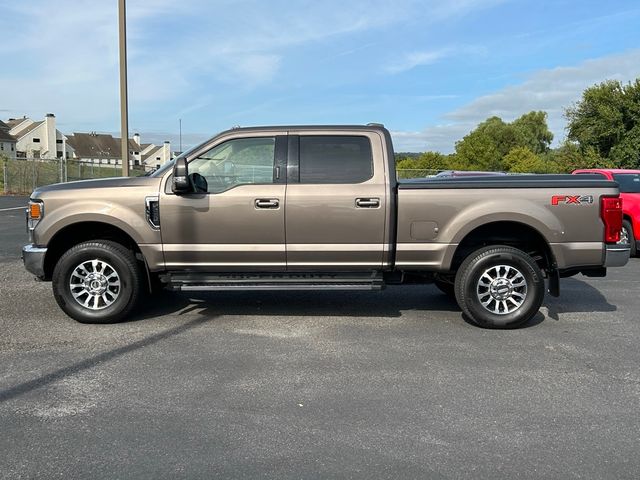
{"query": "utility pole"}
(180, 136)
(124, 110)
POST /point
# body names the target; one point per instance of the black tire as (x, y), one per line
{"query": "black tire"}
(468, 287)
(112, 257)
(446, 287)
(626, 224)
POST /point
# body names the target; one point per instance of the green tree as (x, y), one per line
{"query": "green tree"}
(433, 161)
(569, 156)
(486, 147)
(532, 132)
(426, 163)
(606, 122)
(523, 160)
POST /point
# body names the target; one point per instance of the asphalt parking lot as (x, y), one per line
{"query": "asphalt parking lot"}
(315, 385)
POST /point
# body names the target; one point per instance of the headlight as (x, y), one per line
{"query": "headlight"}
(35, 212)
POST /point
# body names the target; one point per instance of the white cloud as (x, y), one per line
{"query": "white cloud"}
(72, 48)
(439, 138)
(551, 90)
(251, 69)
(415, 59)
(411, 60)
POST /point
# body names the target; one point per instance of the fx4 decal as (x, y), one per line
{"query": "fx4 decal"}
(571, 199)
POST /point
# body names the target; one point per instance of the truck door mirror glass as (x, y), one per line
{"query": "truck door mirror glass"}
(181, 182)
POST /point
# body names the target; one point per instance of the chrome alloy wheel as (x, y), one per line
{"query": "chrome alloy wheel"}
(95, 284)
(501, 289)
(624, 237)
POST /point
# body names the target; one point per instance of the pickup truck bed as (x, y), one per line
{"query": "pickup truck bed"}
(443, 213)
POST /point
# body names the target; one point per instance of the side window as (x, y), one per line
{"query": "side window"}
(335, 159)
(236, 162)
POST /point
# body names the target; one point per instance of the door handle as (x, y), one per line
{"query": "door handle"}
(367, 202)
(267, 203)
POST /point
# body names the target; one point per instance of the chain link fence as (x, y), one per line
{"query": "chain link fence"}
(23, 175)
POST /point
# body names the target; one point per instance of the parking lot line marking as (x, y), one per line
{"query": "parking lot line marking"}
(14, 208)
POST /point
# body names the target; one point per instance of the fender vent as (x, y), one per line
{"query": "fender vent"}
(152, 211)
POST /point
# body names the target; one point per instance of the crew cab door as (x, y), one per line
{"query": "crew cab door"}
(336, 203)
(238, 223)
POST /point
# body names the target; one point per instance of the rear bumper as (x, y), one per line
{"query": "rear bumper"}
(616, 255)
(33, 258)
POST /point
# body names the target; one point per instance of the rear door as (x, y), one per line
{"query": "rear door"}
(336, 202)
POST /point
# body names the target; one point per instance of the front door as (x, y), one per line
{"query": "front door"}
(238, 223)
(336, 203)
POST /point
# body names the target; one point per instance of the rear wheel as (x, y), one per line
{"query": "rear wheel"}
(97, 282)
(499, 287)
(627, 237)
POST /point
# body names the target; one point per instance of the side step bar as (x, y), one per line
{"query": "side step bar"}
(210, 282)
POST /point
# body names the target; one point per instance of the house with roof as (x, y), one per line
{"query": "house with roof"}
(7, 142)
(38, 139)
(102, 148)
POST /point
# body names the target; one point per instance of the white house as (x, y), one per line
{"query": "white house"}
(153, 156)
(38, 139)
(7, 142)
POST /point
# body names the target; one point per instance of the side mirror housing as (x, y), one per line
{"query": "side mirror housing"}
(181, 183)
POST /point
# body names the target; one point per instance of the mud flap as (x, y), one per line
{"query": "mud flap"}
(554, 283)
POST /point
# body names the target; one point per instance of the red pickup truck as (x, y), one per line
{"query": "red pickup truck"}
(629, 181)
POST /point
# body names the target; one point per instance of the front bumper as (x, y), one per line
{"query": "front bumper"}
(616, 255)
(33, 258)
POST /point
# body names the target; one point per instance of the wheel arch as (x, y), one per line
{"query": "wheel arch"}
(79, 232)
(505, 232)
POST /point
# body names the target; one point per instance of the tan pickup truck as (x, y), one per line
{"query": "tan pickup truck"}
(301, 208)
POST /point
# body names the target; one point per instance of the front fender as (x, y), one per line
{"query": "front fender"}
(130, 220)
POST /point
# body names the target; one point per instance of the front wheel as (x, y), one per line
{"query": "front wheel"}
(499, 287)
(97, 282)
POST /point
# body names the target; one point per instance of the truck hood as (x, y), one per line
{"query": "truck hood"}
(119, 182)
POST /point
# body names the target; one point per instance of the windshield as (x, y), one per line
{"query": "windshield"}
(629, 182)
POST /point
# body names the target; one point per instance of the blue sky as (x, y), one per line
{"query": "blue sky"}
(428, 70)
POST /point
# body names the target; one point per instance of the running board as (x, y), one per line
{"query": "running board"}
(198, 282)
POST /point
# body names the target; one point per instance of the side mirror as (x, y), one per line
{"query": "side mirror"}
(181, 183)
